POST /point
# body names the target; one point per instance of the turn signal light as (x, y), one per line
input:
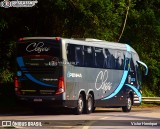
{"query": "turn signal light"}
(61, 87)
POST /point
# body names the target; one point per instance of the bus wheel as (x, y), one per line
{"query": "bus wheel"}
(89, 104)
(129, 105)
(80, 105)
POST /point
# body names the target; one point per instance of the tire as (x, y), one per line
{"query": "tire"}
(89, 106)
(129, 105)
(80, 105)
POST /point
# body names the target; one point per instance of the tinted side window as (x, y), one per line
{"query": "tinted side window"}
(119, 60)
(79, 56)
(71, 53)
(89, 56)
(109, 60)
(99, 57)
(127, 58)
(96, 57)
(75, 54)
(132, 67)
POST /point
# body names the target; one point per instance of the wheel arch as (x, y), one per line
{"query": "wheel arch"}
(83, 93)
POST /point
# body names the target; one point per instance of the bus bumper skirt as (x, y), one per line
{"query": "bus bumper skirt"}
(46, 101)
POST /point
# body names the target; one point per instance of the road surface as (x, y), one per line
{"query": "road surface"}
(103, 118)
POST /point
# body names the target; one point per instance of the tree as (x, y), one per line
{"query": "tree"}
(102, 19)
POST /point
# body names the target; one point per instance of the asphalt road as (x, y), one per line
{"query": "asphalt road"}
(104, 118)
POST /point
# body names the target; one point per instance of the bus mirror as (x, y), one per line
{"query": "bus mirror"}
(145, 66)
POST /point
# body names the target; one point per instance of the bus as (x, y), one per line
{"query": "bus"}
(80, 74)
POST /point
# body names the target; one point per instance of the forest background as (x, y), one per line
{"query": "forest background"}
(135, 22)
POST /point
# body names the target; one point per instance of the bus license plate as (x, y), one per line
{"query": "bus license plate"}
(37, 100)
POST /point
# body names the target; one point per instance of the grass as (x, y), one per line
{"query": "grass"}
(145, 105)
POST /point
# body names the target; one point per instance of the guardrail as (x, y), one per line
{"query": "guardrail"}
(151, 99)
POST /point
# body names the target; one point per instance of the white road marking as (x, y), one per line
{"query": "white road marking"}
(88, 125)
(104, 118)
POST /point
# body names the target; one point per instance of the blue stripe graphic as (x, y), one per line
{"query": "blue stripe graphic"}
(136, 91)
(20, 61)
(125, 73)
(29, 76)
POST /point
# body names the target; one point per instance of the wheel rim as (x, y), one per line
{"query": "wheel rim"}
(129, 103)
(80, 104)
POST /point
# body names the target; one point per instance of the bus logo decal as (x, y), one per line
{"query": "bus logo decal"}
(74, 75)
(37, 47)
(101, 81)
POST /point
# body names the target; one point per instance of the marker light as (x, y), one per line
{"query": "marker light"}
(21, 39)
(57, 38)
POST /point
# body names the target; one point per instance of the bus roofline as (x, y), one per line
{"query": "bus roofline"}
(53, 38)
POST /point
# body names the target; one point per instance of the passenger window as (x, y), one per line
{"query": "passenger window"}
(71, 53)
(132, 67)
(119, 60)
(75, 54)
(127, 60)
(109, 60)
(99, 57)
(89, 56)
(79, 56)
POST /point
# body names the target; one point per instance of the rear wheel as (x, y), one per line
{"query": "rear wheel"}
(129, 105)
(80, 105)
(89, 104)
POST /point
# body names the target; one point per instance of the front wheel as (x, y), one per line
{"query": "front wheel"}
(129, 105)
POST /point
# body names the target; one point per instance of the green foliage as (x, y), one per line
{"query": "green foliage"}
(143, 32)
(3, 24)
(146, 92)
(5, 76)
